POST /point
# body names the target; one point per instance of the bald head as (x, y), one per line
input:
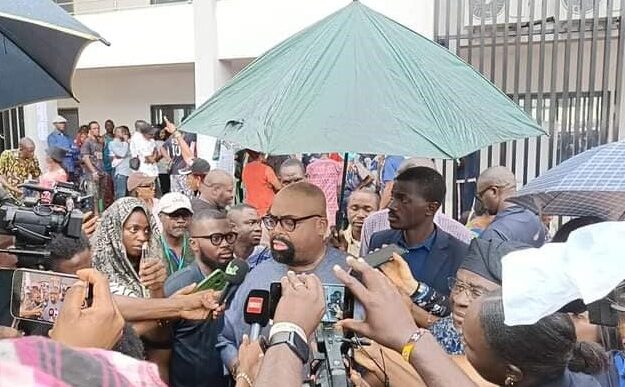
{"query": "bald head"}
(27, 148)
(305, 195)
(27, 142)
(494, 186)
(497, 177)
(217, 188)
(414, 162)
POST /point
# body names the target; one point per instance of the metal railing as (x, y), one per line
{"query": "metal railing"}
(560, 60)
(77, 7)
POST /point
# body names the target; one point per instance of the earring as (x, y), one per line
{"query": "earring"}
(510, 381)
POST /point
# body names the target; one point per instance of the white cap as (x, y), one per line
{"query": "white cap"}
(538, 282)
(173, 202)
(59, 120)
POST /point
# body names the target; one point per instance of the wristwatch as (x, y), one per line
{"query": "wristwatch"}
(293, 341)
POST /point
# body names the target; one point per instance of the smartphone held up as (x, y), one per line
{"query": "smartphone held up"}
(39, 295)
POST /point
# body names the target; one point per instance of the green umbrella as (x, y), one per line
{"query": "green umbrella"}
(358, 81)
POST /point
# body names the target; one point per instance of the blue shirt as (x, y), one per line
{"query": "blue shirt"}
(194, 360)
(121, 149)
(391, 165)
(433, 261)
(262, 256)
(447, 336)
(261, 278)
(61, 140)
(516, 224)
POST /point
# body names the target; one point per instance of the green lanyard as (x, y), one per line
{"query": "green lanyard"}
(172, 259)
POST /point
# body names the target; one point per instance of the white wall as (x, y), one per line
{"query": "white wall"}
(247, 28)
(144, 36)
(125, 94)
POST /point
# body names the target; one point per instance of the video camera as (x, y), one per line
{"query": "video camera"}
(33, 222)
(333, 352)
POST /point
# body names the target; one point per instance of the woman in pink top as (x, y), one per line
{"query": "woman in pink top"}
(56, 173)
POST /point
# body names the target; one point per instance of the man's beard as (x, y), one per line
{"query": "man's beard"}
(213, 265)
(287, 256)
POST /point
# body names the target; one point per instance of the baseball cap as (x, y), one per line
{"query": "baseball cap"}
(173, 202)
(59, 120)
(138, 178)
(198, 167)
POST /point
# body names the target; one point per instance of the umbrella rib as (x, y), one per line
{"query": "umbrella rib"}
(53, 27)
(7, 36)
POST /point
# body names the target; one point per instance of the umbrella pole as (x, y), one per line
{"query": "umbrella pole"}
(340, 215)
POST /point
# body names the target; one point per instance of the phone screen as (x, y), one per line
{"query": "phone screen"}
(215, 281)
(338, 300)
(39, 295)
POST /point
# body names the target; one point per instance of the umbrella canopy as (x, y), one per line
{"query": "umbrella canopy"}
(39, 47)
(358, 81)
(591, 183)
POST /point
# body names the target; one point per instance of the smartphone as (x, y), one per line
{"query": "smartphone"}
(215, 281)
(380, 257)
(6, 281)
(338, 299)
(38, 295)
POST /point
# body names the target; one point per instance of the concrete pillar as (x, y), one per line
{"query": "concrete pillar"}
(205, 64)
(38, 119)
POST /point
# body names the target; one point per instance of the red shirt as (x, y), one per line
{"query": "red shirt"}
(259, 180)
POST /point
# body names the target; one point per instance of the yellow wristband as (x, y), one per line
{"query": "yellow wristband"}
(406, 351)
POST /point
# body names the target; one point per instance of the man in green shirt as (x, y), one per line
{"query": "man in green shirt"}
(175, 213)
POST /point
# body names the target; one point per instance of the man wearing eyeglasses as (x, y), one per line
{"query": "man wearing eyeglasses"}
(297, 224)
(479, 273)
(512, 222)
(195, 361)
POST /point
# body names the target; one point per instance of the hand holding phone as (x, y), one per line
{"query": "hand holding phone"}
(214, 281)
(152, 273)
(97, 326)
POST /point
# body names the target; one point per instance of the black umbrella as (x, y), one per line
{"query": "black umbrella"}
(39, 46)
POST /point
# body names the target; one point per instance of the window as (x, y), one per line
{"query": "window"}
(11, 128)
(174, 113)
(73, 122)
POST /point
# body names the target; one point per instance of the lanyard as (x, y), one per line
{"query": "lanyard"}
(172, 258)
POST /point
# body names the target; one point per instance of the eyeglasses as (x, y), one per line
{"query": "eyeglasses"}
(287, 223)
(294, 180)
(217, 238)
(184, 214)
(457, 286)
(151, 186)
(479, 195)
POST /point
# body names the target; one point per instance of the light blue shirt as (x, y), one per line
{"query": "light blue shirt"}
(61, 140)
(261, 278)
(121, 149)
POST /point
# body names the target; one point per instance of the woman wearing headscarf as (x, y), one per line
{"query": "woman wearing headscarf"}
(126, 227)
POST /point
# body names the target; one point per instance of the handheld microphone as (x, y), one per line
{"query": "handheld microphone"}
(256, 311)
(235, 274)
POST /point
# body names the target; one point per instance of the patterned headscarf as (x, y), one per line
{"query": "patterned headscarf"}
(109, 255)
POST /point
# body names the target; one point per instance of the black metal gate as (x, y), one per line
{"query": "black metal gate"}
(561, 60)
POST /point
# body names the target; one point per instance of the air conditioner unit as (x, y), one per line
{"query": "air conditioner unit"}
(494, 12)
(578, 7)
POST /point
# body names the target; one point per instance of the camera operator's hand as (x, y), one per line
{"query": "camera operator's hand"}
(197, 306)
(250, 358)
(98, 326)
(302, 302)
(388, 320)
(398, 271)
(35, 312)
(153, 274)
(89, 223)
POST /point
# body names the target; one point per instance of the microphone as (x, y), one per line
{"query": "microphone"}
(256, 311)
(235, 274)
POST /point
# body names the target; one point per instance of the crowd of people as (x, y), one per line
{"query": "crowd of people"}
(434, 314)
